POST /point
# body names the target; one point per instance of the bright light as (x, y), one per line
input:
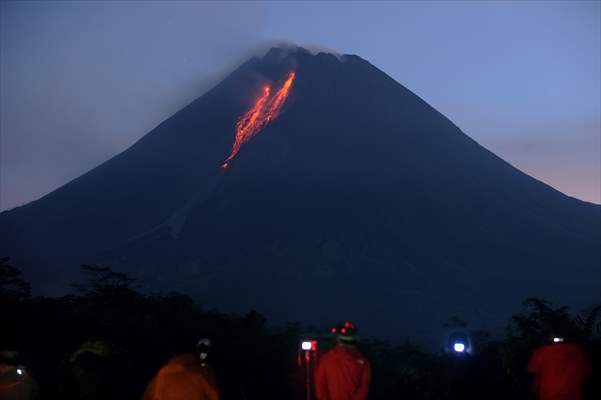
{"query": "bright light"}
(557, 340)
(19, 371)
(306, 345)
(459, 347)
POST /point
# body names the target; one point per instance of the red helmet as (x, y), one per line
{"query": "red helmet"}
(345, 332)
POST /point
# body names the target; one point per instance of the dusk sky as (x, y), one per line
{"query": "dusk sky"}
(82, 81)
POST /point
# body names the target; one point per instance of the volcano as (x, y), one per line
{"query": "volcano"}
(355, 200)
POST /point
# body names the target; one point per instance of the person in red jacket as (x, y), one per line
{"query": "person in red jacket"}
(343, 373)
(560, 370)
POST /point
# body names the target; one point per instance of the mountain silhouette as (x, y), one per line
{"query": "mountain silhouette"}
(357, 201)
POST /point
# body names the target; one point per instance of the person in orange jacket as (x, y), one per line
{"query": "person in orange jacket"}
(185, 377)
(343, 373)
(560, 370)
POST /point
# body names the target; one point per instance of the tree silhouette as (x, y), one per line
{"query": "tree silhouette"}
(12, 285)
(589, 323)
(103, 282)
(539, 319)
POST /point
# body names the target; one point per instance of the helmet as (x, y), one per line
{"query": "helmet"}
(9, 357)
(345, 333)
(96, 346)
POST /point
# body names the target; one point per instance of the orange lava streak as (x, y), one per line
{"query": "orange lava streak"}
(266, 109)
(249, 124)
(275, 106)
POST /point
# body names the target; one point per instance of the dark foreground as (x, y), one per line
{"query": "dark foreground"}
(133, 334)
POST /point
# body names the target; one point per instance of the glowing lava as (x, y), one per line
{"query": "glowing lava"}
(265, 109)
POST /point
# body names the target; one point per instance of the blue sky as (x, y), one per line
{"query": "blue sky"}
(82, 81)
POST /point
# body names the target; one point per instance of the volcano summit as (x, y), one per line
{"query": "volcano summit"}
(354, 200)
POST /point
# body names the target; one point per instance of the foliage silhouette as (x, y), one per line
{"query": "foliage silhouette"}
(109, 338)
(12, 285)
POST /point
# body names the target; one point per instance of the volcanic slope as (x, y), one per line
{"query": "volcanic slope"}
(357, 201)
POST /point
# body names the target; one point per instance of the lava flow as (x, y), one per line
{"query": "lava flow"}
(265, 109)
